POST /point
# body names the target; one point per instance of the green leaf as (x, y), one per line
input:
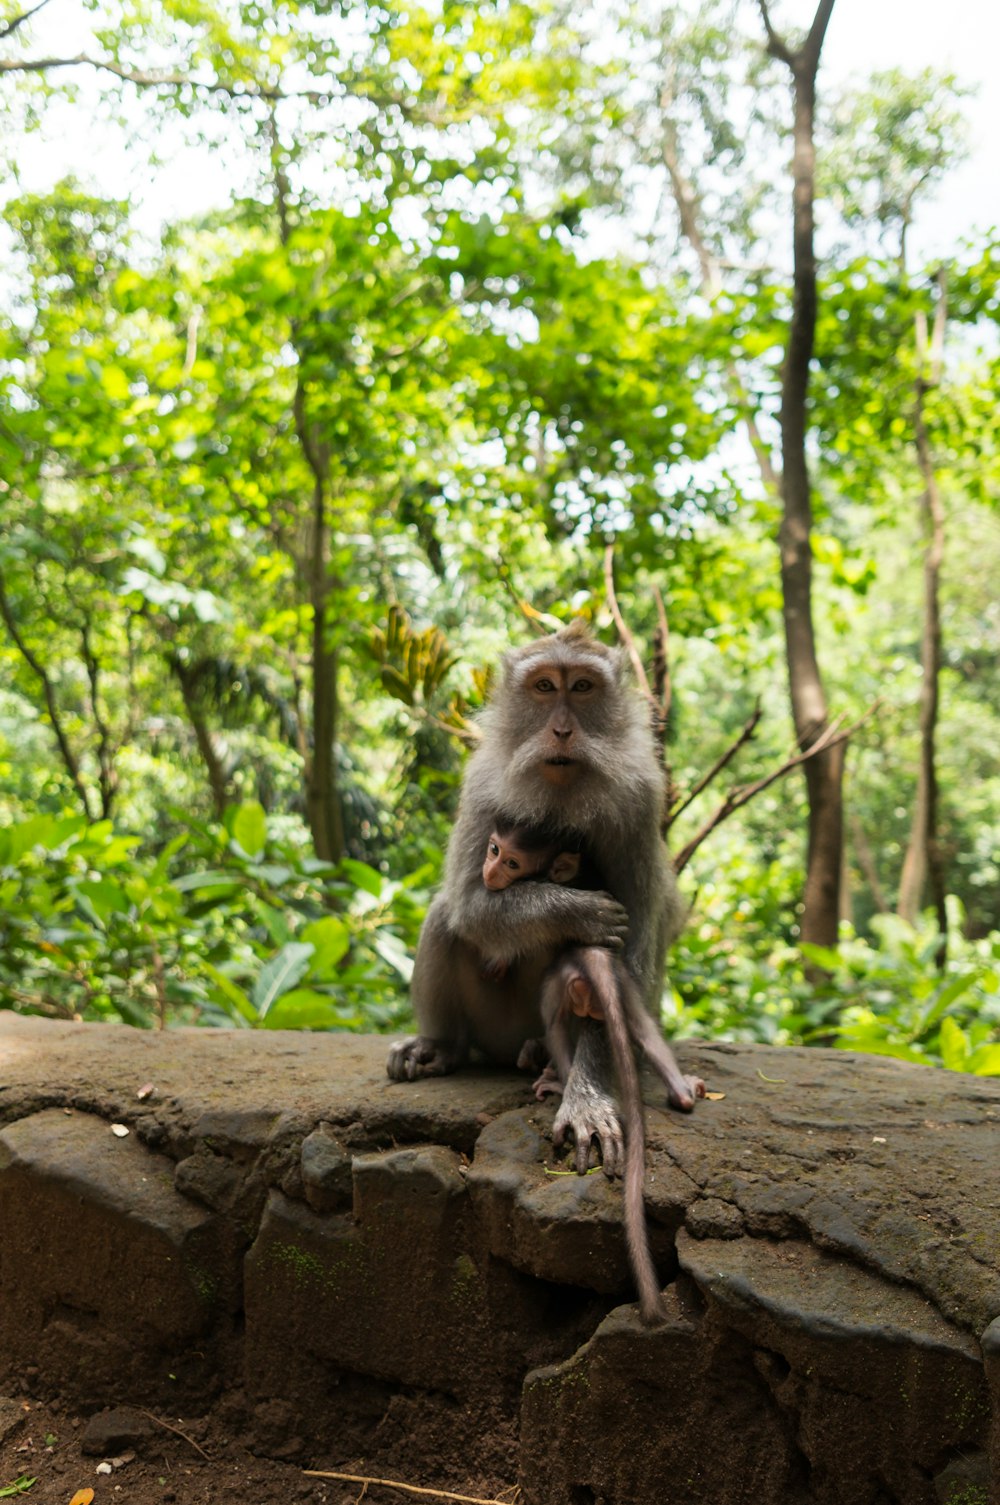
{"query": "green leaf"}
(249, 828)
(280, 974)
(953, 1044)
(391, 949)
(304, 1008)
(330, 940)
(231, 992)
(822, 956)
(363, 876)
(19, 1487)
(984, 1061)
(213, 878)
(104, 897)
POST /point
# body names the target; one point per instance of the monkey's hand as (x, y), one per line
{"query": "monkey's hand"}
(604, 922)
(420, 1056)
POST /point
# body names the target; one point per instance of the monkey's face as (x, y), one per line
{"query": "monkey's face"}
(506, 863)
(565, 703)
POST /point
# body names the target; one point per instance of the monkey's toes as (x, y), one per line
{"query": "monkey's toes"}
(602, 1126)
(685, 1100)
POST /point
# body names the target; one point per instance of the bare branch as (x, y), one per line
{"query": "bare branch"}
(48, 690)
(662, 687)
(940, 325)
(742, 795)
(105, 752)
(191, 350)
(242, 89)
(727, 757)
(16, 21)
(776, 45)
(540, 622)
(624, 632)
(813, 44)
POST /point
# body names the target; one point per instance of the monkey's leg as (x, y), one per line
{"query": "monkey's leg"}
(682, 1091)
(439, 975)
(588, 1109)
(533, 1056)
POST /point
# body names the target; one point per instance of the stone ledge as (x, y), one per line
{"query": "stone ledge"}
(284, 1222)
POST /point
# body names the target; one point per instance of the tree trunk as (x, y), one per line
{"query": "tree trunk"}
(323, 807)
(823, 773)
(324, 811)
(923, 864)
(217, 781)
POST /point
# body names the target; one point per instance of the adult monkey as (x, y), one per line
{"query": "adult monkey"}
(566, 746)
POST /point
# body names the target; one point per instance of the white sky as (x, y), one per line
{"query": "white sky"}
(864, 35)
(960, 36)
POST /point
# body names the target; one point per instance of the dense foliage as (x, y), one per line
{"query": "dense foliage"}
(280, 479)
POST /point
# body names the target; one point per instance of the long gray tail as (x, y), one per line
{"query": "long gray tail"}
(609, 984)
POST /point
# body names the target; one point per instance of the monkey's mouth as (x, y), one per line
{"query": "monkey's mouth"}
(560, 762)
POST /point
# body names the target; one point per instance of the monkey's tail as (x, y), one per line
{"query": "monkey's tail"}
(636, 1233)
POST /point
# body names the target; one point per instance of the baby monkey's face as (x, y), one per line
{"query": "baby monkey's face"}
(507, 863)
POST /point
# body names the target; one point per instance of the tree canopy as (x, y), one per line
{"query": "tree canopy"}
(493, 320)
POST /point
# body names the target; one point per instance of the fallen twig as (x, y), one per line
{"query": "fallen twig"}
(413, 1489)
(177, 1433)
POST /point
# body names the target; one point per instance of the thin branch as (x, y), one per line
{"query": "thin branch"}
(625, 634)
(776, 45)
(105, 755)
(191, 348)
(244, 89)
(662, 686)
(48, 690)
(741, 796)
(539, 622)
(177, 1433)
(745, 736)
(16, 21)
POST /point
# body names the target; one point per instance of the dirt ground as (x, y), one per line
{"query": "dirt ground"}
(204, 1461)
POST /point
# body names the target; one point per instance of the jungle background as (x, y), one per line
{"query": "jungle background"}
(500, 315)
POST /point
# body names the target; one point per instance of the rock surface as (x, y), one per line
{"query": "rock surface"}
(282, 1222)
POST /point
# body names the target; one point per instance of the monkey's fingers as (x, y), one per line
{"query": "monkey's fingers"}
(610, 922)
(420, 1057)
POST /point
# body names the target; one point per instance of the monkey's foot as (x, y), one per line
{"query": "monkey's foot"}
(685, 1100)
(533, 1056)
(547, 1085)
(588, 1114)
(420, 1056)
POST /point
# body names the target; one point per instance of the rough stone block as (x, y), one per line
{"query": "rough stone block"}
(110, 1280)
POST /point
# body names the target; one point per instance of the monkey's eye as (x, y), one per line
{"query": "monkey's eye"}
(514, 866)
(544, 684)
(494, 850)
(583, 686)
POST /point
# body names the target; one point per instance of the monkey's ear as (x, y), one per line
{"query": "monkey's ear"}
(564, 867)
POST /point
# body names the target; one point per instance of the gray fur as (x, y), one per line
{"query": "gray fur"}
(612, 799)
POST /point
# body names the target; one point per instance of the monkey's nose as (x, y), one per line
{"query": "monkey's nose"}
(564, 732)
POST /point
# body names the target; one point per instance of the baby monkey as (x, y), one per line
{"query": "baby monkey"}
(590, 982)
(514, 853)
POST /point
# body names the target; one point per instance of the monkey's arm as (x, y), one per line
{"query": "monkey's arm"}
(531, 917)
